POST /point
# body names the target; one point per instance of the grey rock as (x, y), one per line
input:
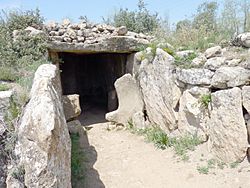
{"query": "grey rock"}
(228, 77)
(194, 76)
(228, 133)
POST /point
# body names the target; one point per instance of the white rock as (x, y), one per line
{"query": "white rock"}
(138, 120)
(199, 61)
(122, 30)
(215, 63)
(192, 117)
(195, 76)
(185, 53)
(43, 134)
(213, 52)
(243, 39)
(228, 133)
(130, 100)
(33, 32)
(226, 77)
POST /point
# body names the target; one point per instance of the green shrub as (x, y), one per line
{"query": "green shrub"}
(7, 73)
(4, 87)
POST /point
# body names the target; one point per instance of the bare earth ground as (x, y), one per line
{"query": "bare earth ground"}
(120, 159)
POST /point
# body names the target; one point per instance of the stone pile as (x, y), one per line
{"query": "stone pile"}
(87, 33)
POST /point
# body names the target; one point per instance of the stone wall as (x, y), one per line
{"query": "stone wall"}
(208, 98)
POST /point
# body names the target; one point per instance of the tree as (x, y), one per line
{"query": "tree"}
(206, 16)
(230, 20)
(245, 5)
(140, 20)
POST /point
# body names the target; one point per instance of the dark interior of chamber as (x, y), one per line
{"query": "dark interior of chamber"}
(92, 76)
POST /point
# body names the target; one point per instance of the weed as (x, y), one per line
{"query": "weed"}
(161, 140)
(234, 164)
(158, 137)
(7, 74)
(169, 51)
(185, 62)
(205, 100)
(4, 87)
(203, 169)
(183, 144)
(77, 161)
(18, 173)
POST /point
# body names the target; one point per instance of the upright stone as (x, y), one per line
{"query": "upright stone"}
(130, 100)
(160, 93)
(228, 133)
(44, 141)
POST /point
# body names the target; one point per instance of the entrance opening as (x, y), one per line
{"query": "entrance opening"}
(92, 76)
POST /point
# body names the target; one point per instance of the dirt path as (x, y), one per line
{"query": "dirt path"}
(119, 159)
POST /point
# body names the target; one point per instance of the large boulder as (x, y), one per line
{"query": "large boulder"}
(71, 106)
(228, 77)
(160, 93)
(228, 133)
(44, 142)
(130, 100)
(193, 116)
(194, 76)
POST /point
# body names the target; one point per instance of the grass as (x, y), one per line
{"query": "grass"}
(18, 173)
(162, 141)
(203, 169)
(185, 62)
(205, 100)
(7, 74)
(4, 87)
(234, 164)
(77, 161)
(211, 164)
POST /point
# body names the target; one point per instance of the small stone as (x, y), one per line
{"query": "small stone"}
(213, 52)
(121, 31)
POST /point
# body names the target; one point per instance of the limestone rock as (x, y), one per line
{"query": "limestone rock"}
(71, 106)
(226, 77)
(193, 116)
(184, 54)
(122, 30)
(74, 127)
(13, 183)
(139, 121)
(44, 142)
(130, 100)
(242, 39)
(160, 93)
(228, 133)
(246, 98)
(214, 63)
(199, 61)
(213, 52)
(33, 32)
(195, 76)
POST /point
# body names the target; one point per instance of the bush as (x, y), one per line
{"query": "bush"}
(140, 21)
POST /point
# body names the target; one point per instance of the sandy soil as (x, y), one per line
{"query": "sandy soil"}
(120, 159)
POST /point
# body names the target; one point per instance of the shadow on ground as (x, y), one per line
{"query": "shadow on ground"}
(92, 115)
(91, 177)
